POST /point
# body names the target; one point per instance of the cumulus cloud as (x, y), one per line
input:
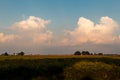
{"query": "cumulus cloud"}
(32, 23)
(89, 32)
(33, 30)
(32, 35)
(7, 38)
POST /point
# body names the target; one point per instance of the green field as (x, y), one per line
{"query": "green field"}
(59, 67)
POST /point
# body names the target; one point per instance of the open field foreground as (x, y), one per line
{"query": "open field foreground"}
(63, 67)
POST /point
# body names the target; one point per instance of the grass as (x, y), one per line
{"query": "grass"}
(92, 70)
(50, 67)
(54, 56)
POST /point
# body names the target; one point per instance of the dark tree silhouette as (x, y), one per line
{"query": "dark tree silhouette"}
(77, 53)
(21, 54)
(85, 53)
(100, 53)
(5, 54)
(91, 53)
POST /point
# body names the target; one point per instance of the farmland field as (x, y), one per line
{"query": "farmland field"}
(59, 67)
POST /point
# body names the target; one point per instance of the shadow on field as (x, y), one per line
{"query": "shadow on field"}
(86, 78)
(59, 68)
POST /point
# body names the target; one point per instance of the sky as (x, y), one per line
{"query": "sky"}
(59, 26)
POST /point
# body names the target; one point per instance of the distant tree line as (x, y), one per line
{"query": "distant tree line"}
(14, 54)
(86, 53)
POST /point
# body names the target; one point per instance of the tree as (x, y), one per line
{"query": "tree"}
(77, 53)
(100, 53)
(85, 53)
(5, 54)
(21, 54)
(91, 53)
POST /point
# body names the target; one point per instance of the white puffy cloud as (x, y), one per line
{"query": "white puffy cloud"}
(31, 35)
(31, 31)
(7, 38)
(32, 23)
(89, 32)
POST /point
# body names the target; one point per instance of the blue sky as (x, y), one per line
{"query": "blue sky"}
(63, 14)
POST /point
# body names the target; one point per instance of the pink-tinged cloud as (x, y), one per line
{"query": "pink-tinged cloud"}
(32, 23)
(7, 38)
(32, 35)
(89, 32)
(28, 32)
(33, 31)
